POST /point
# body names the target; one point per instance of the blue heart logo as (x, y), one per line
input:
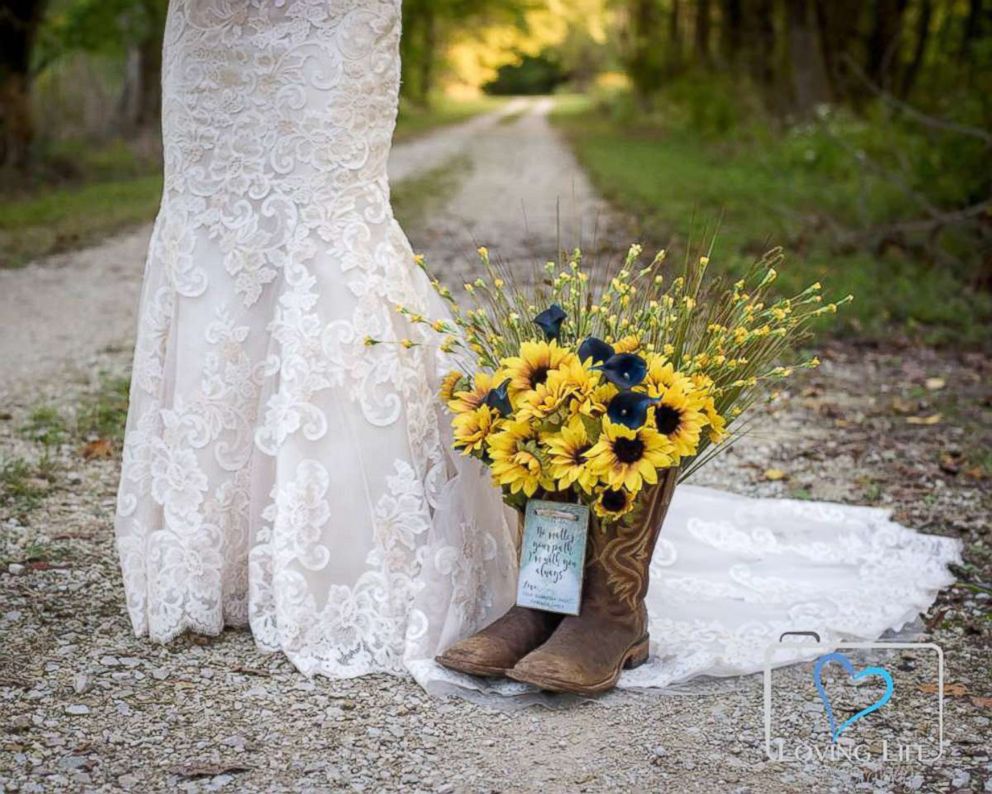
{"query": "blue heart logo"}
(867, 672)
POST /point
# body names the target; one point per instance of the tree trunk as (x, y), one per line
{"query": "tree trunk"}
(19, 20)
(644, 57)
(919, 50)
(427, 56)
(809, 74)
(972, 27)
(674, 38)
(884, 42)
(759, 26)
(128, 105)
(730, 31)
(149, 104)
(839, 29)
(703, 31)
(408, 51)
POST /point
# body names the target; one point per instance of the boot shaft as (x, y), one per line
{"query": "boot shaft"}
(619, 556)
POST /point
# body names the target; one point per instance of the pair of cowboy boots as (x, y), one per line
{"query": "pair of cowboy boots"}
(585, 653)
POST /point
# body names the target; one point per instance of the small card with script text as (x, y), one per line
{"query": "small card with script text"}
(552, 556)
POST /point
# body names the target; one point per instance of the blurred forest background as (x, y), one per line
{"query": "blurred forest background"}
(855, 133)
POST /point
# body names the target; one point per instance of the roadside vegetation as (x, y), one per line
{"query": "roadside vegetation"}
(50, 440)
(752, 187)
(79, 193)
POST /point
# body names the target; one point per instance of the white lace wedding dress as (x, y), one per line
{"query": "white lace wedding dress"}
(280, 474)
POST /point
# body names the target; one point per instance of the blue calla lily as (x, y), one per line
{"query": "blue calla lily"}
(596, 349)
(625, 370)
(499, 400)
(630, 409)
(550, 321)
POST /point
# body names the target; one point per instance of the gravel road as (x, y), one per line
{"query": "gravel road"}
(60, 312)
(86, 706)
(520, 192)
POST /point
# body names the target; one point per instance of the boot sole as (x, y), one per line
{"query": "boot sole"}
(480, 670)
(634, 656)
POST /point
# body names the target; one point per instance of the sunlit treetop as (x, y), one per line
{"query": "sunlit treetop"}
(475, 56)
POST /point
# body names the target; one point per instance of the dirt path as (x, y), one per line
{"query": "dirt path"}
(84, 705)
(520, 193)
(62, 313)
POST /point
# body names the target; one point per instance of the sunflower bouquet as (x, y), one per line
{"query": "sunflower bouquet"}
(592, 390)
(601, 389)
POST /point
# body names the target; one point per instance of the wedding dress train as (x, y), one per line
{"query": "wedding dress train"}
(281, 474)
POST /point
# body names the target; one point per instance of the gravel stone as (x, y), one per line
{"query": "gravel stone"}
(214, 713)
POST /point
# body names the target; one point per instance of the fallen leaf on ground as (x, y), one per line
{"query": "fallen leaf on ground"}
(950, 463)
(775, 474)
(933, 419)
(976, 473)
(831, 411)
(982, 703)
(901, 406)
(951, 689)
(101, 448)
(935, 384)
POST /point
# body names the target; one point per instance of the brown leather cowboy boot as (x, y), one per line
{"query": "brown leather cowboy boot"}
(587, 651)
(499, 646)
(504, 642)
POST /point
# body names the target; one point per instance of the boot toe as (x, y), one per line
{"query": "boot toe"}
(485, 656)
(548, 671)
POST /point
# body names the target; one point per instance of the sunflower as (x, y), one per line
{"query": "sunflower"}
(568, 383)
(718, 425)
(613, 504)
(472, 428)
(629, 344)
(662, 375)
(629, 458)
(679, 418)
(531, 368)
(470, 399)
(451, 383)
(516, 460)
(546, 398)
(595, 403)
(580, 379)
(567, 456)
